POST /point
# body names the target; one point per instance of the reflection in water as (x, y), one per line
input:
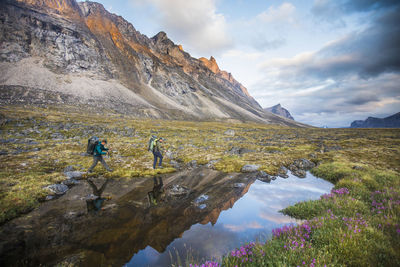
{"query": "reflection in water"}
(94, 202)
(156, 195)
(251, 218)
(141, 228)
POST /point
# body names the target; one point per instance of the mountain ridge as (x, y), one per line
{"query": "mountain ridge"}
(82, 49)
(392, 121)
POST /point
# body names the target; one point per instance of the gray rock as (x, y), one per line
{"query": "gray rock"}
(70, 182)
(239, 151)
(175, 164)
(359, 168)
(239, 185)
(193, 164)
(304, 164)
(74, 174)
(250, 168)
(211, 163)
(69, 168)
(58, 189)
(263, 176)
(229, 132)
(282, 172)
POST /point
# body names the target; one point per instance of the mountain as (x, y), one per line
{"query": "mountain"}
(77, 53)
(371, 122)
(279, 110)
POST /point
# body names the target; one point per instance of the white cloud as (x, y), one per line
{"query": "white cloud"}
(196, 24)
(282, 14)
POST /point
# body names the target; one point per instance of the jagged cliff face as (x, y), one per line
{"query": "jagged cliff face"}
(89, 56)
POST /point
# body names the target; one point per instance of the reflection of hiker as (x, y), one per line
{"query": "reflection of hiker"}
(95, 201)
(157, 151)
(98, 155)
(155, 195)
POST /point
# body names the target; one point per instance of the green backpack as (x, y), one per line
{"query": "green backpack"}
(152, 142)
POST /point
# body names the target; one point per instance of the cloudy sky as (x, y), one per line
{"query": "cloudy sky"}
(329, 62)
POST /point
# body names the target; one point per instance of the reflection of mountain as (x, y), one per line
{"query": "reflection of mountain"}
(115, 235)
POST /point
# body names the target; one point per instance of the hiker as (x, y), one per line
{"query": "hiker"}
(155, 195)
(95, 202)
(157, 148)
(98, 155)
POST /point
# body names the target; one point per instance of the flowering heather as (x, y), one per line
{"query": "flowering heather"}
(336, 192)
(206, 264)
(244, 253)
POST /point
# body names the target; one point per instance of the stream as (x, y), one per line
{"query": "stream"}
(154, 221)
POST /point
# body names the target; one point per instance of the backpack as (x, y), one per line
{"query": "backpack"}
(92, 143)
(152, 142)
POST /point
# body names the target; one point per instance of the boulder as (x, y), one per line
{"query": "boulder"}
(192, 164)
(250, 168)
(211, 163)
(70, 182)
(263, 177)
(57, 189)
(282, 172)
(239, 151)
(74, 174)
(229, 132)
(304, 164)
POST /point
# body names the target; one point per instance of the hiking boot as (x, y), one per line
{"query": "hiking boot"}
(160, 167)
(110, 170)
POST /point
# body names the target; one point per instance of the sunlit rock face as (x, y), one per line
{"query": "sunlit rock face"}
(82, 50)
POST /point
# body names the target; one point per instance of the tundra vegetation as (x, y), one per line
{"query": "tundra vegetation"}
(357, 224)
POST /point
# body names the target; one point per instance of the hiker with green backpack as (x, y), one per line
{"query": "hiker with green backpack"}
(155, 146)
(97, 148)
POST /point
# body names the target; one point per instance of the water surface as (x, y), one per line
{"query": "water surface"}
(251, 218)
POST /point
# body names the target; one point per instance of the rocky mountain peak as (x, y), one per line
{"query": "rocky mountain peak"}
(279, 110)
(210, 64)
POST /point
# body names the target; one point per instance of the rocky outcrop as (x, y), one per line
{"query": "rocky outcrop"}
(79, 53)
(371, 122)
(279, 110)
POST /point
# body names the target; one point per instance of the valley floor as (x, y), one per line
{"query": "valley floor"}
(356, 225)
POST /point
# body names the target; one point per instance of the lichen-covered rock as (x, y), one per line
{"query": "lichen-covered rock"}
(263, 176)
(282, 172)
(57, 189)
(74, 174)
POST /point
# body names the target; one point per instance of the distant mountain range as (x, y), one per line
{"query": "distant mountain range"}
(371, 122)
(279, 110)
(77, 53)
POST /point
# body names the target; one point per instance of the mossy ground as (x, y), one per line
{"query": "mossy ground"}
(37, 157)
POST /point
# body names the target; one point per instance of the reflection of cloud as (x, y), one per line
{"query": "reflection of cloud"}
(277, 217)
(243, 227)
